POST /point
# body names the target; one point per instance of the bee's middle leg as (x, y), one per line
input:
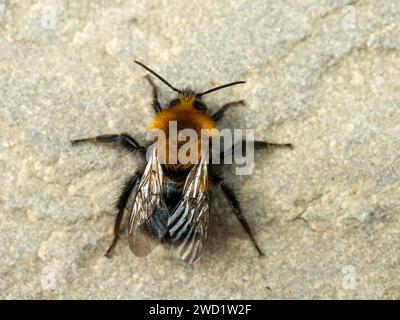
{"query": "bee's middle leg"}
(258, 145)
(265, 144)
(125, 140)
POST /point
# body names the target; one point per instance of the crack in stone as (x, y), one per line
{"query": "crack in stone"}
(336, 10)
(306, 205)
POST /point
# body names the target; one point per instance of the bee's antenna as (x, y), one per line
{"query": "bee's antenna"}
(220, 87)
(158, 76)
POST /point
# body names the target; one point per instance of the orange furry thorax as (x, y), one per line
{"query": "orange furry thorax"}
(186, 117)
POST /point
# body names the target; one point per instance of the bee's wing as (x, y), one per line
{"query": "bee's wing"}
(188, 222)
(149, 217)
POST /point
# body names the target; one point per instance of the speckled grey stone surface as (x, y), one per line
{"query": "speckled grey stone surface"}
(323, 75)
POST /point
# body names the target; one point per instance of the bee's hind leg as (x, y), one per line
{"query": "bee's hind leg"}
(120, 205)
(156, 104)
(234, 202)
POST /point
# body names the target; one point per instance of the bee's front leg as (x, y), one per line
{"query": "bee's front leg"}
(220, 113)
(156, 104)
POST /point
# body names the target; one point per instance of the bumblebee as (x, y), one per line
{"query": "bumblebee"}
(169, 202)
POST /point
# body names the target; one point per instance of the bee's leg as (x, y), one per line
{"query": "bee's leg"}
(265, 144)
(156, 103)
(125, 140)
(120, 205)
(220, 113)
(233, 201)
(258, 145)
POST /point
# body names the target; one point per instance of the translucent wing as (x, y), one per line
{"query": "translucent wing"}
(188, 222)
(149, 217)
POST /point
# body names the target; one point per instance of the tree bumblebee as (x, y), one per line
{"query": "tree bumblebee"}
(170, 201)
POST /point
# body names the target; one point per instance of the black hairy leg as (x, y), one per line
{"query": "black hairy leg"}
(265, 145)
(120, 205)
(234, 202)
(220, 113)
(258, 145)
(156, 103)
(125, 140)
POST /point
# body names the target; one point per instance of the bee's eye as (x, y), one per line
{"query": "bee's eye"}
(200, 105)
(173, 103)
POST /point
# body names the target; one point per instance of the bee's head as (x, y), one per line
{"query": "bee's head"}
(189, 97)
(188, 94)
